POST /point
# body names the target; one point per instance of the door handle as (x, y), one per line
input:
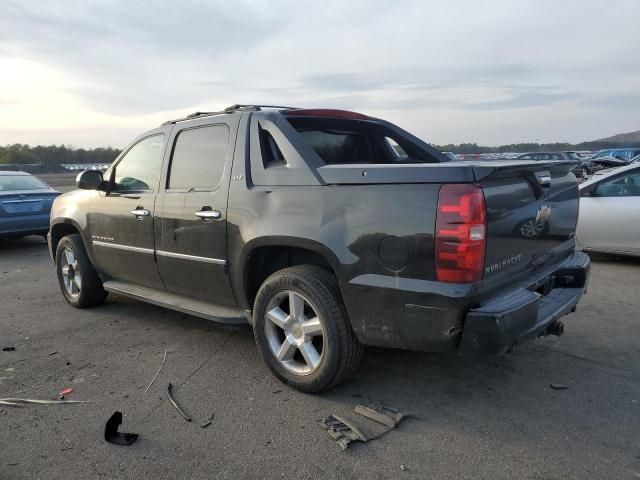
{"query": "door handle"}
(207, 214)
(140, 212)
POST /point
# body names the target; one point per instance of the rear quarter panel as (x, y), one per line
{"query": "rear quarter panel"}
(349, 224)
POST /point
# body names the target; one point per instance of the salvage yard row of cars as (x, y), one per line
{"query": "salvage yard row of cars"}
(327, 230)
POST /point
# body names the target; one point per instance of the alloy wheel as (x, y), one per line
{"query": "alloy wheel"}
(294, 332)
(72, 279)
(531, 228)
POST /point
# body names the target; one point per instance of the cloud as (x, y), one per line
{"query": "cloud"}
(441, 68)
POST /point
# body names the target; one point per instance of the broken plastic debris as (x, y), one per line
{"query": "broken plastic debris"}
(112, 435)
(208, 422)
(15, 402)
(344, 430)
(173, 402)
(157, 373)
(65, 391)
(558, 386)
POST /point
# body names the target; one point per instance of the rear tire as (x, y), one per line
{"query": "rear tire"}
(302, 331)
(79, 281)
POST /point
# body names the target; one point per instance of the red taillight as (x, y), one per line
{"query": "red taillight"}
(460, 233)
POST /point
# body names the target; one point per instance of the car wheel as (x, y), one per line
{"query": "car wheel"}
(531, 229)
(302, 331)
(79, 281)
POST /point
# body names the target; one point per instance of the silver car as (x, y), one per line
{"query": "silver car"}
(609, 219)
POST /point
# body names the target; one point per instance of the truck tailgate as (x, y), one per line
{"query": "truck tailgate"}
(532, 211)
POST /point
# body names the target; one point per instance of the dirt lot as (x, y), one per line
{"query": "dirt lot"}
(495, 418)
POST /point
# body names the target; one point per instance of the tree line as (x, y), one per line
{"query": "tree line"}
(532, 147)
(52, 155)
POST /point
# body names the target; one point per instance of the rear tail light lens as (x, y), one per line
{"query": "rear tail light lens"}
(461, 231)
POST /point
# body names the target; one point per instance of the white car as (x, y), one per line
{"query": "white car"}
(609, 219)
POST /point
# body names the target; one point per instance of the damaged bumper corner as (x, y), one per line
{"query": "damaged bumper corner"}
(498, 326)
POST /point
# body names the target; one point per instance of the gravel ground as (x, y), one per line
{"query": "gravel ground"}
(490, 418)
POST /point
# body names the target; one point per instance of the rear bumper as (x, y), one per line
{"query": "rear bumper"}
(499, 325)
(443, 317)
(24, 224)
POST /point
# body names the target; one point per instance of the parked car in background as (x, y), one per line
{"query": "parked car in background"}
(581, 170)
(609, 219)
(25, 204)
(604, 164)
(621, 153)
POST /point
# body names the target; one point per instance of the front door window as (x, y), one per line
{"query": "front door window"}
(138, 170)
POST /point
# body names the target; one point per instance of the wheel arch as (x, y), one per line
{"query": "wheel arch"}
(61, 228)
(265, 256)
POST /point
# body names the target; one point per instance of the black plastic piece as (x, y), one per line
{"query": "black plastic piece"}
(112, 435)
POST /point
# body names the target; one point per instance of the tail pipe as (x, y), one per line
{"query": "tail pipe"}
(556, 328)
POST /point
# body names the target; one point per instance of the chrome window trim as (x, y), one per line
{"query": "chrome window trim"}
(194, 258)
(23, 201)
(117, 246)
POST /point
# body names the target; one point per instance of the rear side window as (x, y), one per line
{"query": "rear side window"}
(335, 146)
(10, 183)
(348, 141)
(198, 158)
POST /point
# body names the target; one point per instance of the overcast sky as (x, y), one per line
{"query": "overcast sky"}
(98, 73)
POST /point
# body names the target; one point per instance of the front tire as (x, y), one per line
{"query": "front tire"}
(302, 331)
(79, 281)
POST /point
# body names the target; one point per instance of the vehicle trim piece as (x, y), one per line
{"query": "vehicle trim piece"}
(195, 258)
(22, 200)
(181, 303)
(117, 246)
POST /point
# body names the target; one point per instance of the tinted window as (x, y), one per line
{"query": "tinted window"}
(346, 141)
(627, 185)
(339, 146)
(19, 182)
(271, 153)
(395, 148)
(139, 168)
(198, 157)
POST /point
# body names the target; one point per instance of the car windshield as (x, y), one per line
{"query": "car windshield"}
(10, 183)
(573, 155)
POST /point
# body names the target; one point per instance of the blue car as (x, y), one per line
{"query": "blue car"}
(25, 204)
(622, 153)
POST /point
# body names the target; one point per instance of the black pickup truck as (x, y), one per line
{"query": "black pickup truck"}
(326, 230)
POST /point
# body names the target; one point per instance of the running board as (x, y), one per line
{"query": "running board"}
(191, 306)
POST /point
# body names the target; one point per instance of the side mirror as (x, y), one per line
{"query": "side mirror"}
(89, 180)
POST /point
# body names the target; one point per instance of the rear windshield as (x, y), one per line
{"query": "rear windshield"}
(342, 141)
(10, 183)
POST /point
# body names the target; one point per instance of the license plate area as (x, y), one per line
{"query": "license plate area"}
(21, 206)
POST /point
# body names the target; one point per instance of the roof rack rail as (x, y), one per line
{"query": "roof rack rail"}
(232, 108)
